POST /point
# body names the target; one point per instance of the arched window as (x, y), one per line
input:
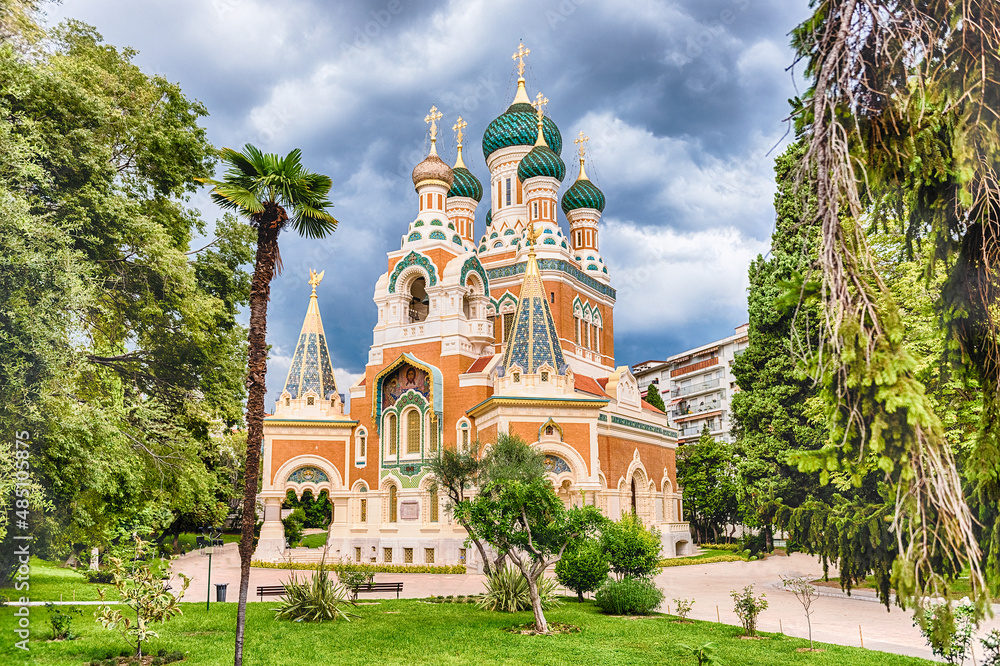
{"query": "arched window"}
(419, 302)
(434, 503)
(412, 431)
(463, 435)
(392, 502)
(362, 445)
(635, 507)
(390, 425)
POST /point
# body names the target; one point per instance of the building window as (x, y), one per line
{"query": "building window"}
(390, 425)
(465, 437)
(517, 377)
(461, 555)
(387, 555)
(434, 504)
(413, 431)
(357, 553)
(362, 451)
(545, 378)
(508, 325)
(507, 189)
(428, 556)
(392, 506)
(434, 434)
(552, 297)
(364, 510)
(576, 327)
(407, 556)
(534, 210)
(288, 402)
(311, 401)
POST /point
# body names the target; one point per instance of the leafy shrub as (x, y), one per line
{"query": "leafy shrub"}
(293, 526)
(747, 607)
(584, 568)
(353, 577)
(102, 576)
(316, 599)
(61, 621)
(629, 596)
(373, 568)
(948, 630)
(704, 653)
(991, 649)
(633, 551)
(507, 591)
(683, 607)
(754, 543)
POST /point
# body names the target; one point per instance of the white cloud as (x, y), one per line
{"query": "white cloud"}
(693, 188)
(671, 279)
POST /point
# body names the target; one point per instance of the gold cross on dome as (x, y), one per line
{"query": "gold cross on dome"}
(459, 128)
(432, 118)
(539, 104)
(519, 56)
(581, 143)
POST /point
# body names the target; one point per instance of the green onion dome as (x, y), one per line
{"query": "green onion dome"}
(489, 217)
(518, 126)
(466, 185)
(541, 161)
(583, 194)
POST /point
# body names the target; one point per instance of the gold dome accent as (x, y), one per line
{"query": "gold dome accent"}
(433, 168)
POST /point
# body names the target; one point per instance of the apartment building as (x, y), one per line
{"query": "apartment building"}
(696, 385)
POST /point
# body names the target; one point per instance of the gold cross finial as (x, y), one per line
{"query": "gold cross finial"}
(459, 128)
(459, 133)
(315, 278)
(581, 143)
(519, 56)
(539, 104)
(432, 118)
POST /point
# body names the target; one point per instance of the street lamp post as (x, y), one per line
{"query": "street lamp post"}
(210, 536)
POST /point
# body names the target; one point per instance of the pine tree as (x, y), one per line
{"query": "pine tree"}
(653, 397)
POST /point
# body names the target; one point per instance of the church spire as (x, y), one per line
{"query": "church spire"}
(533, 341)
(311, 369)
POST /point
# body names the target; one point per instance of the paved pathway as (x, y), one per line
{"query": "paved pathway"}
(836, 617)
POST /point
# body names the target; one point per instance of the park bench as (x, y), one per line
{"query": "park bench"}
(270, 591)
(378, 587)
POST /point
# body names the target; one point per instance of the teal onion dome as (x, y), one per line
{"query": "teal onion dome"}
(466, 185)
(541, 161)
(583, 194)
(489, 217)
(518, 126)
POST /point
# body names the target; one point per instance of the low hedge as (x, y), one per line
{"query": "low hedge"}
(687, 561)
(721, 546)
(369, 568)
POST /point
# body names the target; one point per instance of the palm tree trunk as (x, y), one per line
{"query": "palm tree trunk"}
(260, 292)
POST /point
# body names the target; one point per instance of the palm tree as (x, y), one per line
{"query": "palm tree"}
(260, 187)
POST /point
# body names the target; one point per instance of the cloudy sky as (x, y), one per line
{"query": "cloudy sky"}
(684, 102)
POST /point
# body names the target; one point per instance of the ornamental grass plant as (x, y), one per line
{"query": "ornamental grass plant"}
(629, 596)
(315, 599)
(507, 591)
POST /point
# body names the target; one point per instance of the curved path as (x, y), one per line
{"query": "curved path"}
(836, 618)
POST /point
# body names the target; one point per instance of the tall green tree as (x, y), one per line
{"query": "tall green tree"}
(271, 193)
(706, 471)
(519, 514)
(120, 349)
(903, 125)
(654, 398)
(775, 411)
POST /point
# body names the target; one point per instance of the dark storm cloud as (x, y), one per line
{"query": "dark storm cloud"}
(682, 101)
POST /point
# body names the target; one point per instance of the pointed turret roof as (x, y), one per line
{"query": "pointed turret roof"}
(534, 342)
(311, 368)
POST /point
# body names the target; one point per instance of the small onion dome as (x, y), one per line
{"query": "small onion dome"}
(489, 218)
(583, 194)
(466, 185)
(518, 126)
(433, 168)
(541, 161)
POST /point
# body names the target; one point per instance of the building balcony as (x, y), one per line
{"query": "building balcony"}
(695, 388)
(693, 411)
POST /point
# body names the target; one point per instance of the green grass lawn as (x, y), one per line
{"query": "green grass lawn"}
(49, 582)
(411, 632)
(314, 540)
